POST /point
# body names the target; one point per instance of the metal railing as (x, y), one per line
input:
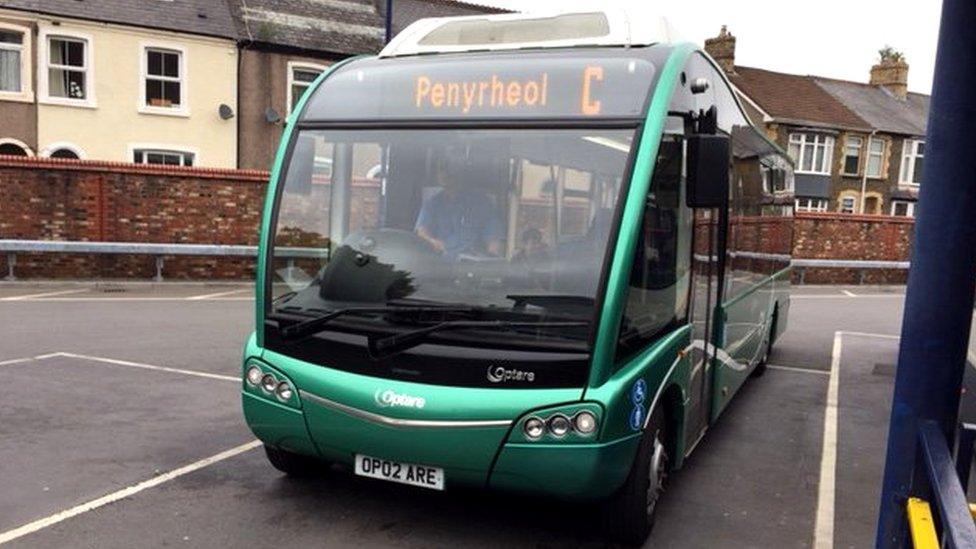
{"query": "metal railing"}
(944, 482)
(12, 247)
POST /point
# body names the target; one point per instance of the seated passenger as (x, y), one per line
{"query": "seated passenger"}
(532, 248)
(459, 219)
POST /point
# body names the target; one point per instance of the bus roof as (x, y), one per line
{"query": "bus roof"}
(610, 27)
(542, 84)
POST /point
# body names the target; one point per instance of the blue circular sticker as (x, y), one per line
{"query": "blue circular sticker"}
(638, 392)
(637, 418)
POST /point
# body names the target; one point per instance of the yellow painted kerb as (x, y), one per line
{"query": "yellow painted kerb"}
(921, 524)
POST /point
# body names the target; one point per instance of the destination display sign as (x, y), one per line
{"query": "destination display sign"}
(523, 86)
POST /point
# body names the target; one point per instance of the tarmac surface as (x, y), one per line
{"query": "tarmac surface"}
(120, 426)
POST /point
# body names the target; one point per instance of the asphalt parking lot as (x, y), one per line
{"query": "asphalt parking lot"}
(120, 426)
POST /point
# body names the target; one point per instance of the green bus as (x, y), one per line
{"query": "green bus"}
(537, 254)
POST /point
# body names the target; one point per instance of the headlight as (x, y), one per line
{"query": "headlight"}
(584, 422)
(269, 383)
(283, 391)
(559, 425)
(533, 427)
(254, 375)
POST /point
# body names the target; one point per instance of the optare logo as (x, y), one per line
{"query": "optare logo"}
(391, 399)
(498, 374)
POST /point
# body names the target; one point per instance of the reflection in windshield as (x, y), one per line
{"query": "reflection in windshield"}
(501, 219)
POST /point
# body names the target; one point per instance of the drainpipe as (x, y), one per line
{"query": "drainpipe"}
(864, 176)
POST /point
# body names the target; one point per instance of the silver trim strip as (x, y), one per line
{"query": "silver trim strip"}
(398, 422)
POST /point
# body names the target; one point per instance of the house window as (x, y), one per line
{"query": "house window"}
(812, 152)
(300, 77)
(852, 155)
(64, 153)
(911, 161)
(11, 60)
(167, 158)
(902, 208)
(67, 75)
(164, 78)
(847, 204)
(13, 149)
(811, 205)
(876, 150)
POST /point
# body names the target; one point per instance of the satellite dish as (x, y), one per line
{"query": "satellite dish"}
(272, 115)
(225, 112)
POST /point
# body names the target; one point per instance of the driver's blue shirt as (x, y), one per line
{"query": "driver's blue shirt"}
(465, 221)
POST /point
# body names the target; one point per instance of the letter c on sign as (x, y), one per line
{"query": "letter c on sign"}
(588, 106)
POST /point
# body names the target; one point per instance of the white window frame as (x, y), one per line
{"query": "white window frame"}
(26, 93)
(801, 139)
(19, 143)
(812, 205)
(860, 154)
(881, 159)
(144, 107)
(299, 65)
(910, 210)
(162, 148)
(58, 145)
(844, 200)
(44, 66)
(908, 156)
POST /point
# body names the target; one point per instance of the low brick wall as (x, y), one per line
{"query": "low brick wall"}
(855, 237)
(51, 199)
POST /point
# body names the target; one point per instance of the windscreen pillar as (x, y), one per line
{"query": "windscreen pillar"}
(341, 191)
(939, 301)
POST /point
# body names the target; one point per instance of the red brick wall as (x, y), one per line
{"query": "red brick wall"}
(49, 199)
(847, 236)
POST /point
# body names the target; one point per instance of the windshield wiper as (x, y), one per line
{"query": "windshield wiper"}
(385, 347)
(311, 326)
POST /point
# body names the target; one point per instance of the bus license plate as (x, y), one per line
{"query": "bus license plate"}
(404, 473)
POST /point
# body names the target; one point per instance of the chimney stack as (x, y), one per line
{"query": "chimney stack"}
(891, 73)
(722, 49)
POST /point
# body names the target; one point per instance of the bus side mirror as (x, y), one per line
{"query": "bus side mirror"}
(708, 171)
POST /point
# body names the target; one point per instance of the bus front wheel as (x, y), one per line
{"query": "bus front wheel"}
(294, 465)
(629, 515)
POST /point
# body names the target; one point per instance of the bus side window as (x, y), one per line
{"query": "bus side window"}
(657, 297)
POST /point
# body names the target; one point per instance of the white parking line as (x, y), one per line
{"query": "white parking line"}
(117, 299)
(867, 334)
(151, 367)
(799, 370)
(823, 534)
(45, 294)
(848, 293)
(124, 493)
(845, 296)
(218, 294)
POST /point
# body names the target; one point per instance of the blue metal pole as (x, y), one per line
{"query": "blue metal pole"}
(939, 304)
(389, 21)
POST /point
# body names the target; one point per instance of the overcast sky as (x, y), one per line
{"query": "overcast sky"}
(833, 38)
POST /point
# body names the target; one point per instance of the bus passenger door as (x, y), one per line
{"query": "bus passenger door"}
(704, 299)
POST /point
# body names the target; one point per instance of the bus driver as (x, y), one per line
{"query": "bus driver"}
(459, 219)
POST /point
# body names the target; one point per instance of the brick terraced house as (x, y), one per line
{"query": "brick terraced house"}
(178, 82)
(858, 147)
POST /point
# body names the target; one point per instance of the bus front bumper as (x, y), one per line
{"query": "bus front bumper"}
(572, 471)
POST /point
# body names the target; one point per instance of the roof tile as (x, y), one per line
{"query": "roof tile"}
(795, 98)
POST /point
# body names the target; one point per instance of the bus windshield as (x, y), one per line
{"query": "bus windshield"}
(511, 223)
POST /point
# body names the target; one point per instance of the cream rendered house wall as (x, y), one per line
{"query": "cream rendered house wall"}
(113, 121)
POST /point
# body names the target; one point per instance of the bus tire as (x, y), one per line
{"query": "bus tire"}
(760, 368)
(628, 516)
(292, 464)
